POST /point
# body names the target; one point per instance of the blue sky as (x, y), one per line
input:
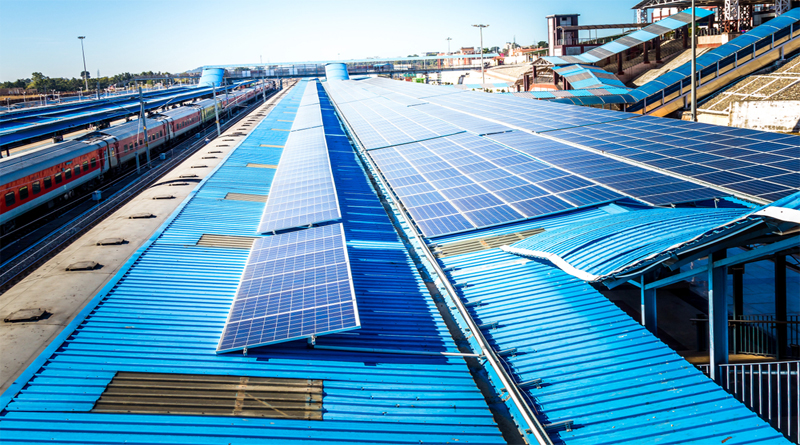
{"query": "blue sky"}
(177, 35)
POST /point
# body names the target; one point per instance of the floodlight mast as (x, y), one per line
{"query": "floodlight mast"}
(694, 65)
(483, 76)
(85, 81)
(448, 48)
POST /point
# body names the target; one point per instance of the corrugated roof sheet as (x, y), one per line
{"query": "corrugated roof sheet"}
(599, 247)
(166, 310)
(599, 368)
(614, 244)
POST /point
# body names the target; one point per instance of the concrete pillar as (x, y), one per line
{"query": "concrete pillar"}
(565, 84)
(717, 315)
(649, 313)
(645, 53)
(619, 64)
(657, 43)
(555, 78)
(780, 304)
(685, 37)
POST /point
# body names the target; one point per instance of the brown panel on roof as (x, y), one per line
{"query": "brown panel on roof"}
(477, 244)
(246, 197)
(250, 164)
(214, 395)
(273, 146)
(227, 241)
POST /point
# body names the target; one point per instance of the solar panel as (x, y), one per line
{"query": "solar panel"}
(295, 285)
(723, 156)
(381, 123)
(635, 181)
(303, 191)
(464, 181)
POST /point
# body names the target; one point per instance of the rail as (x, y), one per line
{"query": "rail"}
(768, 389)
(756, 335)
(24, 263)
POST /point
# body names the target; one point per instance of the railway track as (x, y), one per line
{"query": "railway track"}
(17, 268)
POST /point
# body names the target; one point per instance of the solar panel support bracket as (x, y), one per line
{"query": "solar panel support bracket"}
(533, 383)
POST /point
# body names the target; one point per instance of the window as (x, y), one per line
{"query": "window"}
(135, 144)
(23, 192)
(94, 162)
(48, 182)
(58, 178)
(10, 199)
(77, 169)
(37, 187)
(125, 147)
(67, 173)
(85, 165)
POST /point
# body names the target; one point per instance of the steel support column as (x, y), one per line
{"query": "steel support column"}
(619, 64)
(645, 53)
(782, 6)
(780, 305)
(738, 302)
(649, 312)
(641, 15)
(731, 10)
(717, 315)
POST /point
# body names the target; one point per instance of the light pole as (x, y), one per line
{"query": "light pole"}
(694, 66)
(85, 82)
(483, 76)
(448, 47)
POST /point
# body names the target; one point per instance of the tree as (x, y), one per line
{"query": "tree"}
(86, 74)
(541, 44)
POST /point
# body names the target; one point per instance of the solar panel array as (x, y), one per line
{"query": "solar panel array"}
(380, 123)
(633, 180)
(295, 285)
(308, 114)
(583, 156)
(464, 181)
(755, 163)
(303, 191)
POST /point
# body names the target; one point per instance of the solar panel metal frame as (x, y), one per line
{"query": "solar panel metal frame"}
(254, 250)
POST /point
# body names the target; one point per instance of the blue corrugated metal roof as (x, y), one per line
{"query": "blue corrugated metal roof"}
(599, 368)
(549, 221)
(600, 248)
(597, 248)
(165, 310)
(597, 77)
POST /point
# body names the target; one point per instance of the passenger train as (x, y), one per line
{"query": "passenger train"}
(45, 175)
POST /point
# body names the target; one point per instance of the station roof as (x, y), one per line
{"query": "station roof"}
(162, 315)
(600, 369)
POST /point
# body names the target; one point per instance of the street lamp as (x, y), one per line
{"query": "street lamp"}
(448, 48)
(85, 82)
(483, 76)
(694, 66)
